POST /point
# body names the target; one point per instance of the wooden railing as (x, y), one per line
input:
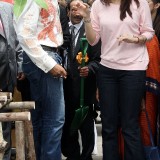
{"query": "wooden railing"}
(18, 112)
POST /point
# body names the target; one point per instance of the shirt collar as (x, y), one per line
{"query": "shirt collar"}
(77, 26)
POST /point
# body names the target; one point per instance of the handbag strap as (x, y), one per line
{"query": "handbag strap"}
(158, 123)
(149, 128)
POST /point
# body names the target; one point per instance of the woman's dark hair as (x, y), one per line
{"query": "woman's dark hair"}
(156, 23)
(156, 1)
(124, 7)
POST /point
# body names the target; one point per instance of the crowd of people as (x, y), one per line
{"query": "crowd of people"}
(38, 49)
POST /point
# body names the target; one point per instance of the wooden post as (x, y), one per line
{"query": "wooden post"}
(15, 116)
(29, 141)
(3, 143)
(20, 140)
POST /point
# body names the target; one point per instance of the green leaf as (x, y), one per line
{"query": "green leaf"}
(18, 7)
(42, 3)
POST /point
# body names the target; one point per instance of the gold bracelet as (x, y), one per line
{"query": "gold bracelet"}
(144, 39)
(137, 38)
(141, 39)
(87, 20)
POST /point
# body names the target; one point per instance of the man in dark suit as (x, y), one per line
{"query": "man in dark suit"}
(9, 60)
(70, 144)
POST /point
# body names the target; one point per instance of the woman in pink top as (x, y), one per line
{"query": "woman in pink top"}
(123, 26)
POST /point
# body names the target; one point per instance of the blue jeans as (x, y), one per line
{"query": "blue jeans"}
(121, 92)
(48, 116)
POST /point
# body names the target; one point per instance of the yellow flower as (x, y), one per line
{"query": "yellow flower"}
(79, 58)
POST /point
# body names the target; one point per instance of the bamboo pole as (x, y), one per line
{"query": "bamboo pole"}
(21, 105)
(29, 141)
(8, 94)
(15, 116)
(18, 117)
(20, 140)
(3, 143)
(3, 99)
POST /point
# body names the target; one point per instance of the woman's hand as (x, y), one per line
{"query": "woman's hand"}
(83, 9)
(128, 38)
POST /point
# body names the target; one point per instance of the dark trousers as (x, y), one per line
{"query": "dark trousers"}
(120, 97)
(70, 145)
(23, 86)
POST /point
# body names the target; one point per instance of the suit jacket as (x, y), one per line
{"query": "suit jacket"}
(72, 83)
(8, 65)
(65, 27)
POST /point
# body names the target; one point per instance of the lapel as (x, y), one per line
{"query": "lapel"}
(81, 34)
(5, 22)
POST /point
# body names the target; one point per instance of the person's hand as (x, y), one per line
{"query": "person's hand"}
(58, 71)
(21, 76)
(127, 38)
(84, 71)
(82, 9)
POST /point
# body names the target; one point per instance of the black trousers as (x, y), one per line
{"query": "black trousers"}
(23, 86)
(121, 93)
(70, 145)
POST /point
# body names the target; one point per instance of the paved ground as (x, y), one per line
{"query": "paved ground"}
(99, 143)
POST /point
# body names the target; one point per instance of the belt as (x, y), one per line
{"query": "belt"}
(52, 49)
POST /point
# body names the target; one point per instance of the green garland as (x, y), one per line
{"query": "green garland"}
(20, 4)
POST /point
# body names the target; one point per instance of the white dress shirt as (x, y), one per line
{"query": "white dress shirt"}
(35, 27)
(76, 30)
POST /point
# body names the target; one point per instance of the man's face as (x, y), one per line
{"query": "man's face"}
(75, 18)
